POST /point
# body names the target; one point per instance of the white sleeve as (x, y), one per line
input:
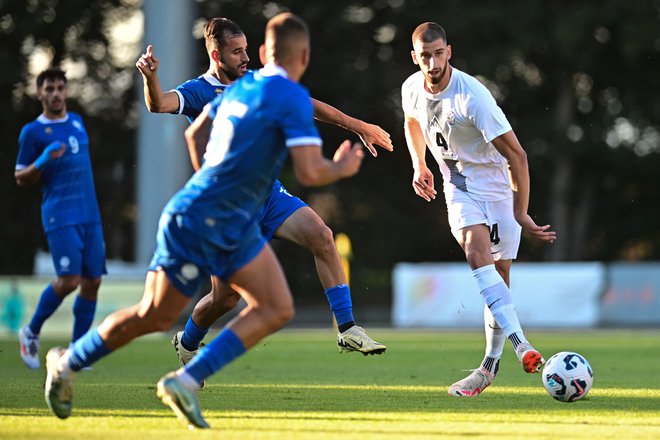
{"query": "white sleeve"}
(408, 97)
(487, 116)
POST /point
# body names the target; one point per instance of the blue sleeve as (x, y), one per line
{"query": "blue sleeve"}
(28, 151)
(298, 121)
(214, 105)
(191, 101)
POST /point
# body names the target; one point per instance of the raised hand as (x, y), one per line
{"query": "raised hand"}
(147, 64)
(349, 158)
(371, 135)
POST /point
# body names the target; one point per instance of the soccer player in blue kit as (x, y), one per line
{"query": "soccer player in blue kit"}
(210, 227)
(54, 151)
(285, 216)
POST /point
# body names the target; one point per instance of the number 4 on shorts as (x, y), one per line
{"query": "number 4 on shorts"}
(494, 234)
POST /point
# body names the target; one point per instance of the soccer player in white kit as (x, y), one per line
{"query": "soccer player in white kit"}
(486, 187)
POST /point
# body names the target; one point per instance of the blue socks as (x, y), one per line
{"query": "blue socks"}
(192, 335)
(83, 316)
(222, 350)
(339, 298)
(87, 350)
(48, 303)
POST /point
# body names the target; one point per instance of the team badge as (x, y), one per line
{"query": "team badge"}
(48, 130)
(218, 91)
(451, 118)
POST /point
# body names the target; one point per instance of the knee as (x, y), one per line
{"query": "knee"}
(65, 285)
(321, 240)
(225, 300)
(153, 321)
(279, 316)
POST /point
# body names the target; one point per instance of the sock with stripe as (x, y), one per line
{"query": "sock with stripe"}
(497, 296)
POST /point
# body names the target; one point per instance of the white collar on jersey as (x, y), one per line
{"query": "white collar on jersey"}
(44, 120)
(271, 69)
(208, 76)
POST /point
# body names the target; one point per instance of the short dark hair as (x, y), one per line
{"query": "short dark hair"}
(51, 74)
(217, 30)
(429, 32)
(282, 30)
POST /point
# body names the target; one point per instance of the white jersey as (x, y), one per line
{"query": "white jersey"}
(459, 124)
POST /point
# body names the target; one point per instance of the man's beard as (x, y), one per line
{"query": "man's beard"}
(233, 73)
(437, 79)
(56, 108)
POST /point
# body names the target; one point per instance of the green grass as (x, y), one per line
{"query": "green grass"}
(294, 385)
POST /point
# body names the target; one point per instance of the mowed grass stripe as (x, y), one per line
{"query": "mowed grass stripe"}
(295, 385)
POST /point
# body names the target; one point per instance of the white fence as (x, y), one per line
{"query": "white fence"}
(576, 295)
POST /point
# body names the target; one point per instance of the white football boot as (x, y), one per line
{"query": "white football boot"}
(355, 339)
(184, 354)
(29, 347)
(473, 385)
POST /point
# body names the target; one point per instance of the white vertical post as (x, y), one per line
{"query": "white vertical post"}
(162, 159)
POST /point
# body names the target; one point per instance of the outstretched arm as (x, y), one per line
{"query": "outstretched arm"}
(369, 134)
(197, 137)
(509, 147)
(422, 177)
(154, 98)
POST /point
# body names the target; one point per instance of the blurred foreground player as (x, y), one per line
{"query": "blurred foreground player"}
(210, 227)
(284, 215)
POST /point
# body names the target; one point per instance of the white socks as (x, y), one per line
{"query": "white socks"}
(498, 299)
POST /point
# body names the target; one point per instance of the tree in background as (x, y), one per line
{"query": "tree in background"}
(95, 42)
(579, 83)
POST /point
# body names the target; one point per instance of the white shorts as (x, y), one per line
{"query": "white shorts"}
(505, 231)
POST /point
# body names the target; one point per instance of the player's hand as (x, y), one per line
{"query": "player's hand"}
(349, 158)
(147, 64)
(371, 135)
(57, 149)
(53, 151)
(542, 233)
(423, 184)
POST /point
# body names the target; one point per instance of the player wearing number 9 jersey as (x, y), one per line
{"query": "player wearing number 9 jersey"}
(485, 183)
(54, 150)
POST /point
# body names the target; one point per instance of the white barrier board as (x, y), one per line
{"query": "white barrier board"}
(545, 294)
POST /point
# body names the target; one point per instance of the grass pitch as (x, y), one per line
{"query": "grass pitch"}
(294, 385)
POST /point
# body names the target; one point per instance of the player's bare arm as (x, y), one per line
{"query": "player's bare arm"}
(422, 177)
(508, 146)
(197, 137)
(31, 174)
(154, 98)
(312, 169)
(369, 134)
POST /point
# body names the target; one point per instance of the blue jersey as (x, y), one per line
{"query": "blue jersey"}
(68, 195)
(194, 94)
(254, 122)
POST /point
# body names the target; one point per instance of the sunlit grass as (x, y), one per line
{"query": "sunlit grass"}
(296, 386)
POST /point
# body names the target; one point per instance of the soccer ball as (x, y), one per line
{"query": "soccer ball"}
(567, 376)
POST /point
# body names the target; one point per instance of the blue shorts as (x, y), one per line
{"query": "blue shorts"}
(278, 207)
(188, 258)
(78, 250)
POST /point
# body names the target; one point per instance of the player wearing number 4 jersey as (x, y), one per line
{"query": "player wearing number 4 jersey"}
(54, 151)
(485, 183)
